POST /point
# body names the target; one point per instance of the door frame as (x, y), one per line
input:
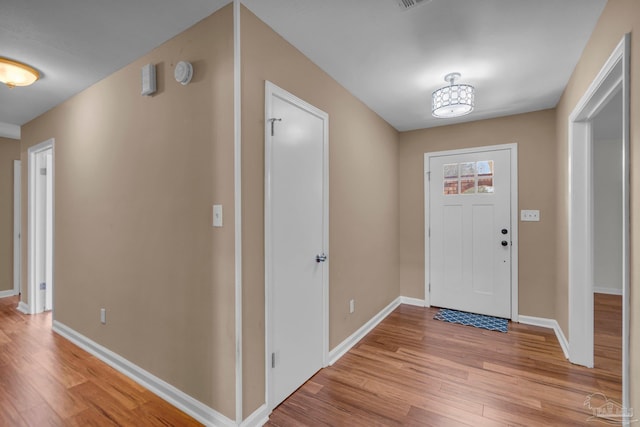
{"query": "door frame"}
(614, 77)
(513, 150)
(32, 172)
(271, 90)
(17, 226)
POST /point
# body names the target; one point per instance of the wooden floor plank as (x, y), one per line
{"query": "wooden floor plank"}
(412, 370)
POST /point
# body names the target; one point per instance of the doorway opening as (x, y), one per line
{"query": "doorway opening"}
(608, 213)
(40, 227)
(609, 90)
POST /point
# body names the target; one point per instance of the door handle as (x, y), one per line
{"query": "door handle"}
(505, 243)
(504, 231)
(321, 258)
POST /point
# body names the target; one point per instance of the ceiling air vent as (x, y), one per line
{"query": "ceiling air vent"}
(408, 4)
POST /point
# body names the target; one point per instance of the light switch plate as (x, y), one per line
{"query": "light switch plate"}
(217, 215)
(530, 215)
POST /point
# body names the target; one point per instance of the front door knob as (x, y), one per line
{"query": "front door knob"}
(321, 258)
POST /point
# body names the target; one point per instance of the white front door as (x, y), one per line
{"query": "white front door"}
(296, 241)
(469, 202)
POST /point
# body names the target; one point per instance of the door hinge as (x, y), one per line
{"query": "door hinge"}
(429, 175)
(273, 360)
(429, 287)
(43, 171)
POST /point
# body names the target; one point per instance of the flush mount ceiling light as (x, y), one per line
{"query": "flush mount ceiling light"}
(14, 73)
(453, 100)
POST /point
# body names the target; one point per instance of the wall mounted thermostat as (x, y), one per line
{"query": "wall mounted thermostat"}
(183, 72)
(148, 79)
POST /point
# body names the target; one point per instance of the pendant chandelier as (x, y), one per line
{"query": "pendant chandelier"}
(454, 100)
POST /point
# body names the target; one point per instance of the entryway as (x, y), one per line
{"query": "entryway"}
(296, 242)
(40, 227)
(471, 231)
(584, 263)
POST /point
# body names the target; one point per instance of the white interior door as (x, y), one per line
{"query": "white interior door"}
(40, 226)
(296, 241)
(470, 232)
(48, 234)
(43, 230)
(17, 226)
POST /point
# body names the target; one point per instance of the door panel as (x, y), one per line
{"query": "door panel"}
(295, 217)
(469, 206)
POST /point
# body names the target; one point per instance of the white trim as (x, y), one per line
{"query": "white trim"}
(607, 291)
(412, 301)
(272, 90)
(8, 130)
(17, 225)
(23, 308)
(259, 417)
(8, 293)
(237, 196)
(513, 149)
(31, 174)
(166, 391)
(346, 345)
(612, 78)
(550, 324)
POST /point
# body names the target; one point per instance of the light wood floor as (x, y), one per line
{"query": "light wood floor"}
(416, 371)
(411, 370)
(47, 381)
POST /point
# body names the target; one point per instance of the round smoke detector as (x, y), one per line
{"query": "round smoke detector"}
(183, 72)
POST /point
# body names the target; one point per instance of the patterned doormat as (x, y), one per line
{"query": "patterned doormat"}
(470, 319)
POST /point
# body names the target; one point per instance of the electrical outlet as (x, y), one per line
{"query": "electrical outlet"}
(103, 316)
(352, 306)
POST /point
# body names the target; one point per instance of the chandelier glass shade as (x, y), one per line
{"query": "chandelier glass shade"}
(14, 73)
(454, 100)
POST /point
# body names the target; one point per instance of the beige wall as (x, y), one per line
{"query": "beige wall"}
(619, 17)
(135, 178)
(363, 195)
(9, 151)
(535, 135)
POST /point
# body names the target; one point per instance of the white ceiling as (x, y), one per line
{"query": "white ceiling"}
(75, 43)
(518, 53)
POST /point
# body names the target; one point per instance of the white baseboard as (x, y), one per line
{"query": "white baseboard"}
(166, 391)
(551, 324)
(347, 344)
(412, 301)
(608, 291)
(23, 308)
(259, 418)
(7, 294)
